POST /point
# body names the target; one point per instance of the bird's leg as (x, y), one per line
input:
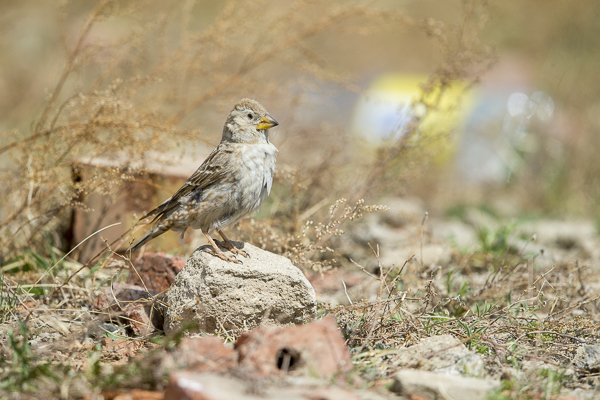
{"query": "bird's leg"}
(228, 244)
(217, 252)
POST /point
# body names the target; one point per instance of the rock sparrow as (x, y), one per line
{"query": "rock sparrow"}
(231, 183)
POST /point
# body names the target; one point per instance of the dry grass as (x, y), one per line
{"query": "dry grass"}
(138, 89)
(527, 330)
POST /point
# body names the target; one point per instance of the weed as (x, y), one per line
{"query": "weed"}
(22, 370)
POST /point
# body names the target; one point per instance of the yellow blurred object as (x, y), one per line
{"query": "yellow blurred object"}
(393, 101)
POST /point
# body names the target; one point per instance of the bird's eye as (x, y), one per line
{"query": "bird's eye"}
(250, 116)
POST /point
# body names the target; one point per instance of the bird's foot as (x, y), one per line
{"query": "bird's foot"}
(223, 256)
(231, 247)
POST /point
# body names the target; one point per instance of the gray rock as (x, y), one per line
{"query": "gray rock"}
(535, 365)
(402, 211)
(456, 232)
(442, 353)
(265, 289)
(588, 357)
(373, 232)
(188, 384)
(567, 235)
(433, 255)
(433, 386)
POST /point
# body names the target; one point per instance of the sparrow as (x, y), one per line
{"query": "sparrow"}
(231, 183)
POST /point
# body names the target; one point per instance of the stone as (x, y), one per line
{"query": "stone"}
(459, 234)
(436, 386)
(562, 234)
(139, 320)
(215, 294)
(372, 232)
(191, 385)
(134, 305)
(443, 353)
(157, 270)
(433, 255)
(402, 211)
(120, 295)
(121, 346)
(538, 366)
(588, 357)
(317, 348)
(202, 354)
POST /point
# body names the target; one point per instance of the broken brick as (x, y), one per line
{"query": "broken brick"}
(157, 270)
(204, 354)
(317, 347)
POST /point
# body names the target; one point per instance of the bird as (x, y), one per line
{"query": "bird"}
(233, 182)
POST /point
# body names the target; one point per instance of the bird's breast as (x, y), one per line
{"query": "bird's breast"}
(256, 175)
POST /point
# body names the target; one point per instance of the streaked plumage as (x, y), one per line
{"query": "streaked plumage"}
(231, 183)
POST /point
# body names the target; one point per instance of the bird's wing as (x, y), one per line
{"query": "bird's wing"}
(212, 170)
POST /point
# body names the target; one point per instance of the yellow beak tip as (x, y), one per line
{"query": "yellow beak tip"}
(267, 122)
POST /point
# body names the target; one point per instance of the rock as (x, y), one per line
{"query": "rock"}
(158, 271)
(215, 294)
(120, 295)
(134, 305)
(459, 234)
(202, 354)
(373, 232)
(434, 386)
(140, 320)
(588, 357)
(562, 241)
(190, 385)
(562, 234)
(317, 348)
(121, 347)
(402, 211)
(442, 353)
(433, 255)
(536, 365)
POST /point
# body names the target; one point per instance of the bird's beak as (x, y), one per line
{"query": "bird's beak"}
(267, 122)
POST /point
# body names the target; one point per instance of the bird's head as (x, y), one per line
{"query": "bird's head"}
(248, 122)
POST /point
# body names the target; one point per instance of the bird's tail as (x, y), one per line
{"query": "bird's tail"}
(155, 231)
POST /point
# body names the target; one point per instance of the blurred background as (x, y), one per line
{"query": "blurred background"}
(106, 107)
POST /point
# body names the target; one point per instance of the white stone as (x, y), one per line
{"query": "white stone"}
(430, 385)
(588, 357)
(443, 353)
(265, 289)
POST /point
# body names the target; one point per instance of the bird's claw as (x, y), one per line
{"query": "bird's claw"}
(224, 256)
(231, 247)
(239, 252)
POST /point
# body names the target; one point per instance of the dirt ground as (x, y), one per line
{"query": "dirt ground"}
(519, 297)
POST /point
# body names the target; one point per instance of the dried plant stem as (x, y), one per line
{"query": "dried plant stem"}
(70, 62)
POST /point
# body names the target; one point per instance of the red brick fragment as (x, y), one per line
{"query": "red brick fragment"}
(157, 270)
(318, 347)
(205, 354)
(123, 347)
